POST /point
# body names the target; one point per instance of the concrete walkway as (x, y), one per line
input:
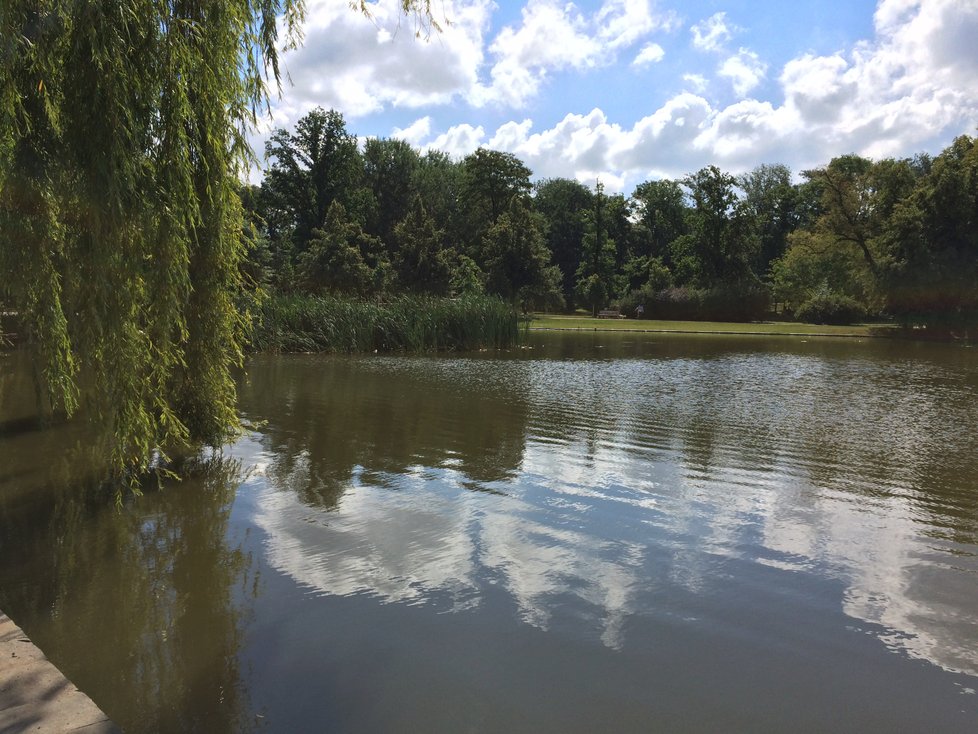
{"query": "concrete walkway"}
(34, 695)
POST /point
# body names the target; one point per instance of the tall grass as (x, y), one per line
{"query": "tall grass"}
(401, 323)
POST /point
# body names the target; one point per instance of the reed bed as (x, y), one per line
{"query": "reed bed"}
(397, 324)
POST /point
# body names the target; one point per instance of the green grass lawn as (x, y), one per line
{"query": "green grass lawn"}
(552, 321)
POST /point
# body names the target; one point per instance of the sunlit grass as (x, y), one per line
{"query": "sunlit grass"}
(550, 321)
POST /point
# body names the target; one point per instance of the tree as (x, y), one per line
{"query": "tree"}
(617, 216)
(812, 263)
(929, 244)
(342, 258)
(491, 180)
(715, 250)
(389, 172)
(516, 254)
(769, 204)
(643, 272)
(858, 197)
(564, 204)
(122, 137)
(661, 210)
(596, 273)
(310, 169)
(438, 180)
(467, 278)
(421, 264)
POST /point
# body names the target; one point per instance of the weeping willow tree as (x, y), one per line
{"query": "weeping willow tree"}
(122, 141)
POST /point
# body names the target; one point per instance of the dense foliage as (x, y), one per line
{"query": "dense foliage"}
(852, 240)
(122, 143)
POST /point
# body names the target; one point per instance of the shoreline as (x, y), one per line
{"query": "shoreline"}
(36, 696)
(713, 332)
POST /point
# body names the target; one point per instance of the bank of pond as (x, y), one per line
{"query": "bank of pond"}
(420, 323)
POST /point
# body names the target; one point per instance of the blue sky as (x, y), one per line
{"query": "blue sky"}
(628, 90)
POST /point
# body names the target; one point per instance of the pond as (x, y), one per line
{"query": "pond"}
(599, 532)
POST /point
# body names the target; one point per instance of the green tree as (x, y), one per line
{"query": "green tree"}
(120, 220)
(564, 205)
(467, 278)
(122, 139)
(770, 206)
(438, 180)
(858, 197)
(643, 272)
(516, 254)
(421, 264)
(661, 210)
(716, 250)
(491, 180)
(929, 246)
(596, 273)
(813, 263)
(342, 258)
(311, 168)
(389, 168)
(618, 216)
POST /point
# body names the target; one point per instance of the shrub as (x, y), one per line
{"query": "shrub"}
(691, 304)
(827, 307)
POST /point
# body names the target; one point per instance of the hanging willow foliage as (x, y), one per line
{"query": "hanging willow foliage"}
(122, 141)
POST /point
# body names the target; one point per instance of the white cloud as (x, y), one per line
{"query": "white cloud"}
(510, 135)
(362, 65)
(697, 82)
(816, 87)
(459, 140)
(745, 71)
(555, 36)
(918, 79)
(650, 54)
(623, 22)
(712, 33)
(414, 133)
(552, 36)
(900, 93)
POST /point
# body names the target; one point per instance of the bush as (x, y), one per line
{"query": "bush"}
(690, 304)
(826, 307)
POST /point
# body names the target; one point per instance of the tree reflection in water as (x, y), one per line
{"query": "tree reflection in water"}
(144, 604)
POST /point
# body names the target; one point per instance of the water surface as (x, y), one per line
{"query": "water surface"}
(602, 532)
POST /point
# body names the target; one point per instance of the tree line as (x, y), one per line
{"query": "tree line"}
(851, 240)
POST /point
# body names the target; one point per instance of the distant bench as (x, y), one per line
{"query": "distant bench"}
(610, 313)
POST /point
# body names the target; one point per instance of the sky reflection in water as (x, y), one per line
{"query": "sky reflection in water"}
(609, 485)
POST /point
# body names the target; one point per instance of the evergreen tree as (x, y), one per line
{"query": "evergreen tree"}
(421, 264)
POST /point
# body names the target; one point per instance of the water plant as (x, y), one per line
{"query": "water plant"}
(406, 323)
